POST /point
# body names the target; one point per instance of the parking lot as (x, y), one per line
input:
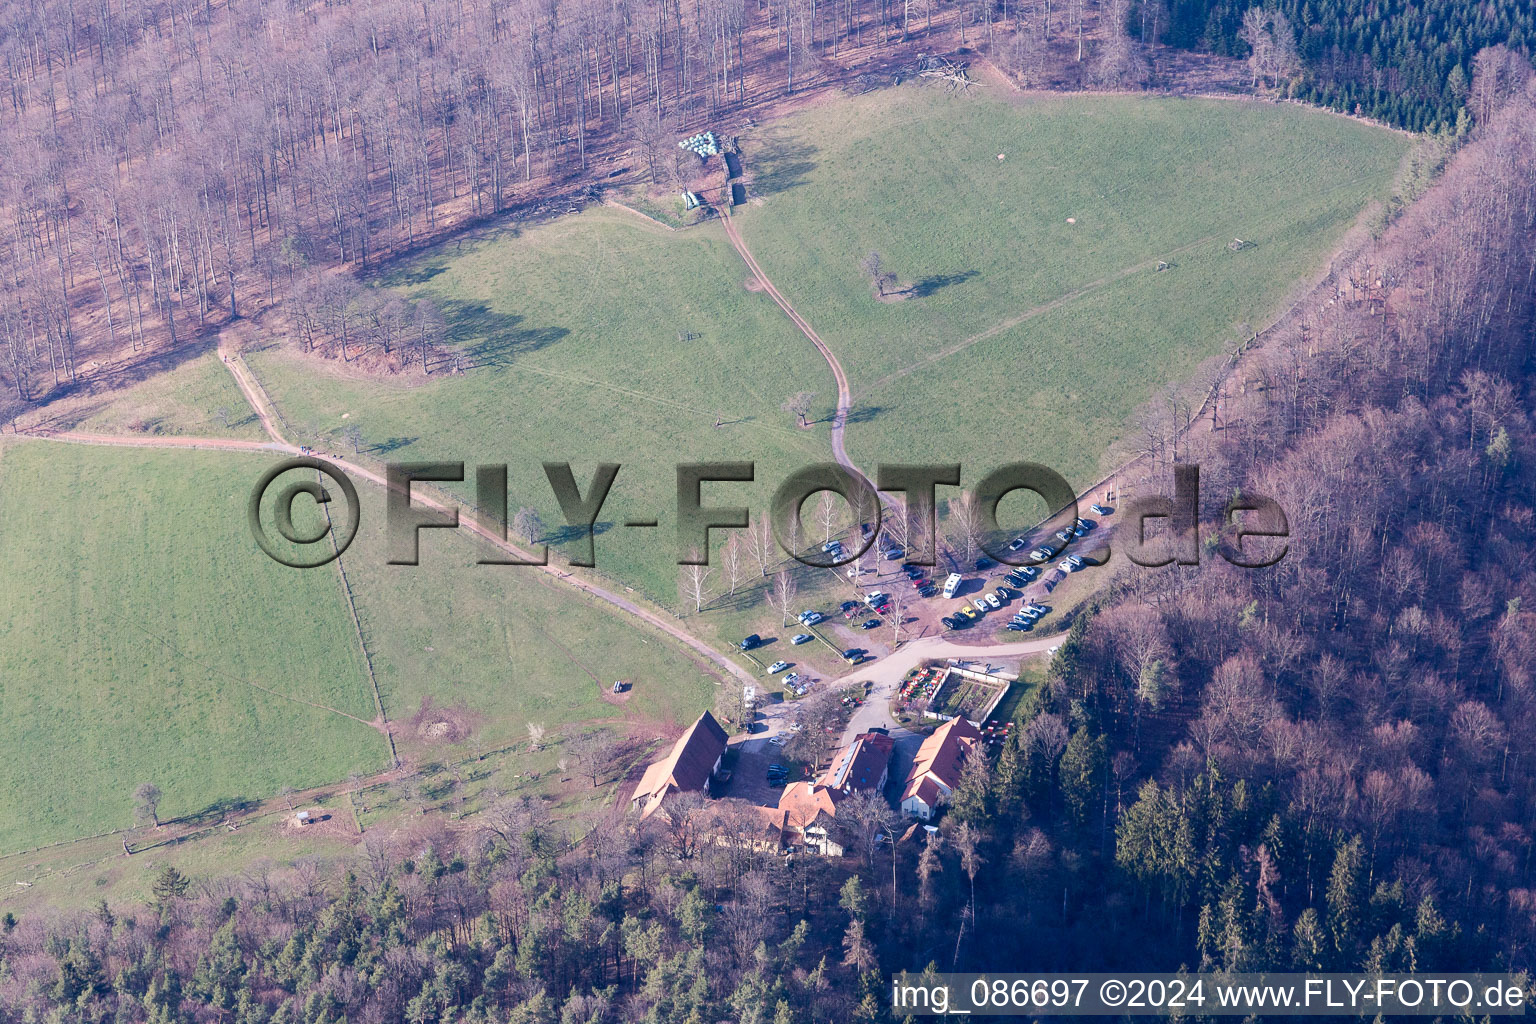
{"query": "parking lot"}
(749, 776)
(835, 627)
(925, 616)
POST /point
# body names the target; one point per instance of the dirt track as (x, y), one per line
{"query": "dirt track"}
(844, 396)
(257, 399)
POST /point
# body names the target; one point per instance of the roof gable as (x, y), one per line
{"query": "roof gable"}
(687, 767)
(940, 757)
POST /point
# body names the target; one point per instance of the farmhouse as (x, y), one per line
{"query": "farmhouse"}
(692, 762)
(936, 769)
(810, 807)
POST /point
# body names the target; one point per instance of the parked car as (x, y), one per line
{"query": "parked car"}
(811, 618)
(777, 667)
(1071, 563)
(950, 622)
(1019, 627)
(983, 563)
(895, 552)
(993, 602)
(875, 597)
(927, 591)
(1017, 545)
(1003, 593)
(1063, 535)
(952, 584)
(871, 623)
(832, 545)
(853, 655)
(792, 679)
(1042, 554)
(971, 614)
(1101, 510)
(777, 741)
(1029, 572)
(750, 642)
(801, 638)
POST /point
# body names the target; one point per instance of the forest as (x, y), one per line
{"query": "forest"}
(1407, 64)
(1321, 765)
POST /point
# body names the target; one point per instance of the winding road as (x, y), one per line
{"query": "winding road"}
(844, 395)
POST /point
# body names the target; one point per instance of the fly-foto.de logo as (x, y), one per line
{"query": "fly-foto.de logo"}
(1152, 530)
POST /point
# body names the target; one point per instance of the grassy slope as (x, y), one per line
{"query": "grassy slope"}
(184, 400)
(913, 173)
(136, 612)
(507, 641)
(580, 319)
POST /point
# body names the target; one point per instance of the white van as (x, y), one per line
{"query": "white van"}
(952, 584)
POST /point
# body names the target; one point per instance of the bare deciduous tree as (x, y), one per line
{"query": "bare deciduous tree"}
(964, 524)
(732, 560)
(761, 543)
(783, 594)
(146, 802)
(693, 582)
(799, 404)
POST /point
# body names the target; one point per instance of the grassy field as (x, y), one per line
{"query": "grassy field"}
(599, 338)
(1010, 334)
(140, 627)
(508, 643)
(1019, 335)
(195, 397)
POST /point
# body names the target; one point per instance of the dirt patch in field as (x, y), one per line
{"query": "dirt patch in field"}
(335, 822)
(433, 724)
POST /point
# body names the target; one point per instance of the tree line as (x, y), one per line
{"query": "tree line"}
(1408, 64)
(175, 163)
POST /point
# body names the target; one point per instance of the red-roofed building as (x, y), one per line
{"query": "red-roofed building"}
(692, 762)
(936, 769)
(810, 807)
